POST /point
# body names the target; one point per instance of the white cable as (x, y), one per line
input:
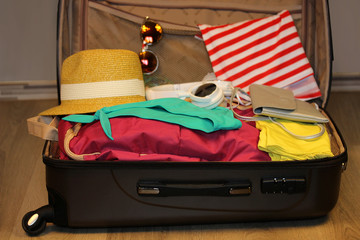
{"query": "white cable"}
(321, 126)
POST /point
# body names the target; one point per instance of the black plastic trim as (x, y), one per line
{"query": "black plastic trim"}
(331, 55)
(57, 50)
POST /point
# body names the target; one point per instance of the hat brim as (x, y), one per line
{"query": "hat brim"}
(69, 107)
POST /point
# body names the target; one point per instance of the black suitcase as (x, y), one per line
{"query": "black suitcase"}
(108, 194)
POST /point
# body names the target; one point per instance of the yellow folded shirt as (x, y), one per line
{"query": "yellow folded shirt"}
(281, 146)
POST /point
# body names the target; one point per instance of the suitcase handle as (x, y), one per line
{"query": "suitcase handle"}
(162, 189)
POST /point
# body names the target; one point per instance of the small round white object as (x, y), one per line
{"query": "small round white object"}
(210, 101)
(33, 219)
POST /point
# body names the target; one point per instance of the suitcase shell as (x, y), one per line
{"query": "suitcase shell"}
(110, 194)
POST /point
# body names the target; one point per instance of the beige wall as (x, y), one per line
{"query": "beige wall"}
(27, 40)
(345, 21)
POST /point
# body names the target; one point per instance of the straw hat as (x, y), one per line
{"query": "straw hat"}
(93, 79)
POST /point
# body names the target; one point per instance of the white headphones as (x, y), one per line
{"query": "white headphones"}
(188, 90)
(210, 101)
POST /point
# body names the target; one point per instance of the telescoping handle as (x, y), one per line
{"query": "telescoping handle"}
(163, 189)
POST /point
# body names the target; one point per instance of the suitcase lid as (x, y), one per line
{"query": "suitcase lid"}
(81, 28)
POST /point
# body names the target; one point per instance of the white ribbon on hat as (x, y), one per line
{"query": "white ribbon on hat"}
(117, 88)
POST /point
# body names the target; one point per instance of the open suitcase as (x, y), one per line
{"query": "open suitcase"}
(128, 193)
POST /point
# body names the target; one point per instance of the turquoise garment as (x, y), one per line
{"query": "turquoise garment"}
(171, 110)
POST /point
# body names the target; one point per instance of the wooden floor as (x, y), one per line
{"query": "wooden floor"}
(22, 188)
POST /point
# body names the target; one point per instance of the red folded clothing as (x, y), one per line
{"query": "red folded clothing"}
(137, 139)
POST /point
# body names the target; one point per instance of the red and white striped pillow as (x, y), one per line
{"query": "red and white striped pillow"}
(263, 51)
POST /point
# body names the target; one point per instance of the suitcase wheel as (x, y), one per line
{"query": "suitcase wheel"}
(34, 222)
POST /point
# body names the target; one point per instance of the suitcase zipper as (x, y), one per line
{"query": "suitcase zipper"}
(83, 24)
(206, 5)
(58, 163)
(169, 28)
(174, 28)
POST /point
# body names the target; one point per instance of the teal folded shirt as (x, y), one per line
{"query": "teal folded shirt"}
(171, 110)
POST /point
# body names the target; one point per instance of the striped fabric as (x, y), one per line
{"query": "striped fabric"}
(263, 51)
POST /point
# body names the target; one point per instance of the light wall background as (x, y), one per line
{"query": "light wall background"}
(345, 21)
(28, 43)
(27, 40)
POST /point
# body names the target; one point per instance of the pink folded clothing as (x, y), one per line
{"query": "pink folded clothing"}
(137, 139)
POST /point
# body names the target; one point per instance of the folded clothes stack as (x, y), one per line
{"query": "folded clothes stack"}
(284, 147)
(159, 130)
